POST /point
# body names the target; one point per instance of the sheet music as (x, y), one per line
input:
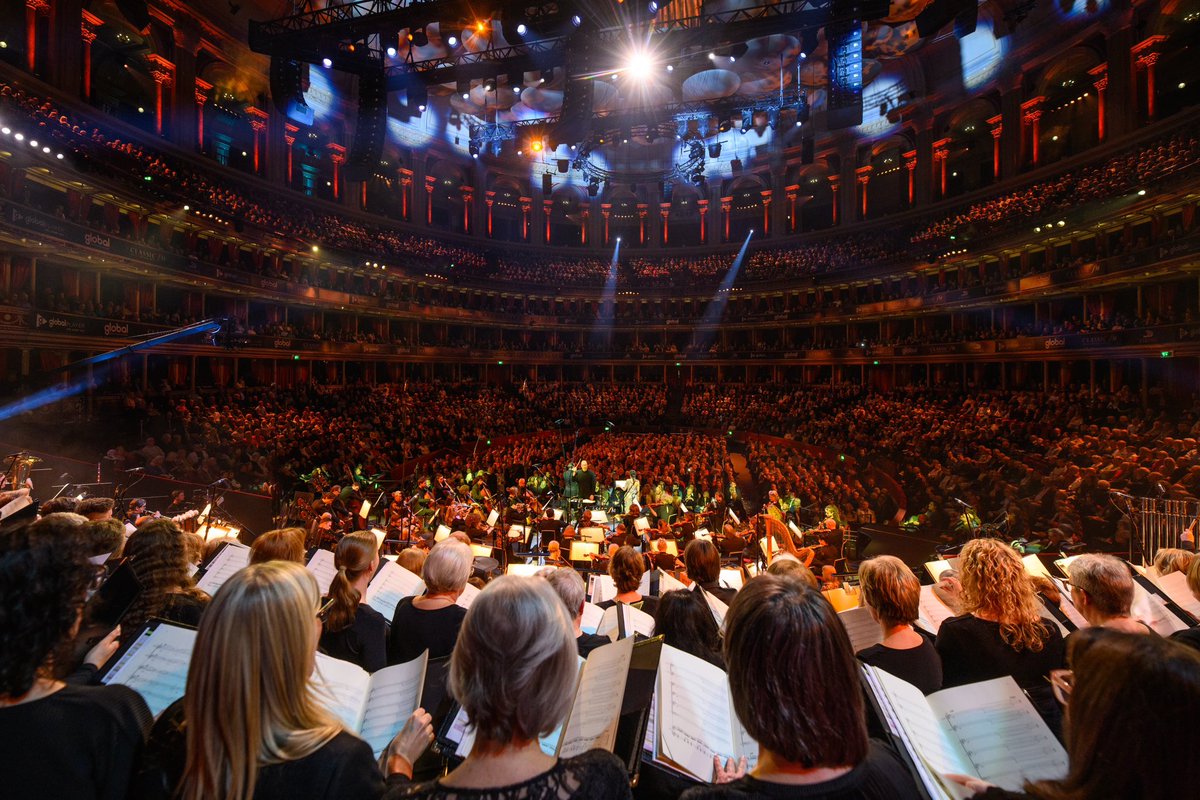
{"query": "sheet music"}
(734, 517)
(932, 611)
(380, 535)
(462, 733)
(1175, 587)
(156, 665)
(341, 687)
(1068, 607)
(641, 524)
(601, 588)
(922, 728)
(703, 533)
(862, 629)
(668, 583)
(395, 693)
(599, 517)
(524, 570)
(442, 532)
(695, 722)
(391, 585)
(469, 593)
(636, 621)
(650, 742)
(1152, 610)
(731, 578)
(592, 615)
(1061, 564)
(936, 568)
(717, 607)
(1000, 733)
(1034, 566)
(592, 722)
(231, 559)
(558, 514)
(644, 585)
(492, 518)
(16, 504)
(323, 568)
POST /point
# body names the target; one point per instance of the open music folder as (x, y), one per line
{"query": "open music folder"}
(154, 664)
(631, 620)
(228, 559)
(323, 568)
(375, 706)
(693, 718)
(861, 627)
(391, 584)
(595, 712)
(989, 730)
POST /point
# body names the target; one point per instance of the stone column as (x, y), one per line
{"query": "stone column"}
(910, 164)
(702, 205)
(941, 154)
(997, 125)
(835, 184)
(1031, 115)
(664, 213)
(864, 180)
(766, 204)
(258, 124)
(793, 194)
(468, 201)
(406, 182)
(289, 138)
(163, 73)
(726, 216)
(87, 35)
(526, 217)
(489, 200)
(1145, 54)
(1100, 73)
(337, 155)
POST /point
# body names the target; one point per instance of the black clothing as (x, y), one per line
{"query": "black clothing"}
(972, 651)
(595, 775)
(921, 666)
(586, 481)
(362, 642)
(587, 642)
(342, 769)
(996, 793)
(880, 776)
(665, 561)
(79, 742)
(415, 630)
(648, 604)
(1188, 636)
(722, 593)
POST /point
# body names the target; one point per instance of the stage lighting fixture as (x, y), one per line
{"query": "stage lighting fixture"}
(326, 62)
(419, 37)
(576, 20)
(391, 52)
(480, 26)
(536, 146)
(714, 150)
(639, 63)
(593, 189)
(452, 41)
(522, 29)
(670, 67)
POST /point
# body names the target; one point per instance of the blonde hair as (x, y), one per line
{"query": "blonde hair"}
(890, 588)
(786, 565)
(994, 581)
(412, 559)
(1172, 559)
(1193, 577)
(249, 701)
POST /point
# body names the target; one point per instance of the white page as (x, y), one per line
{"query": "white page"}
(695, 722)
(636, 621)
(1150, 609)
(936, 787)
(668, 583)
(651, 741)
(391, 585)
(592, 722)
(380, 535)
(601, 588)
(16, 504)
(936, 568)
(558, 514)
(231, 559)
(1034, 566)
(1063, 563)
(792, 527)
(592, 614)
(1175, 587)
(1045, 614)
(644, 584)
(395, 693)
(1001, 734)
(599, 517)
(100, 559)
(703, 533)
(442, 532)
(1067, 606)
(733, 517)
(341, 687)
(922, 728)
(731, 578)
(492, 518)
(524, 570)
(156, 665)
(715, 605)
(469, 593)
(932, 612)
(642, 524)
(323, 568)
(462, 733)
(862, 629)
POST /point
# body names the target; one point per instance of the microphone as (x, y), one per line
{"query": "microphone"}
(1119, 493)
(961, 502)
(136, 469)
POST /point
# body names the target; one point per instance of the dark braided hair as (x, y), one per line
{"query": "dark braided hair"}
(44, 578)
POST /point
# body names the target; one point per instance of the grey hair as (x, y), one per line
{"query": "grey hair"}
(1106, 580)
(569, 585)
(515, 663)
(448, 566)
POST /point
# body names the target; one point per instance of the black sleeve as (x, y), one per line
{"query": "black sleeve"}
(161, 765)
(356, 775)
(949, 645)
(131, 721)
(85, 675)
(372, 634)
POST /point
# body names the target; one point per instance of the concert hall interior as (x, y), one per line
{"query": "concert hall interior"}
(613, 399)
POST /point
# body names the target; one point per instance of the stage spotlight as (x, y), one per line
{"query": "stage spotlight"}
(391, 52)
(536, 146)
(652, 8)
(639, 63)
(670, 68)
(419, 37)
(480, 26)
(576, 20)
(326, 62)
(522, 29)
(452, 41)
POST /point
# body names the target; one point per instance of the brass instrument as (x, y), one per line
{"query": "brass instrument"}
(20, 469)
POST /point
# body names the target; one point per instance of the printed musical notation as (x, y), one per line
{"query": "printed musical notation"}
(323, 568)
(695, 719)
(223, 566)
(375, 706)
(593, 719)
(390, 585)
(156, 665)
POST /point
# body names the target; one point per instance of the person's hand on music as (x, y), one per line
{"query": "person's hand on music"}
(409, 744)
(99, 655)
(969, 782)
(730, 772)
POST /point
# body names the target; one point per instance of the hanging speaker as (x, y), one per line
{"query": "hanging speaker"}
(564, 164)
(547, 184)
(370, 127)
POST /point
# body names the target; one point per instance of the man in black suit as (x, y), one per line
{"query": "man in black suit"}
(585, 479)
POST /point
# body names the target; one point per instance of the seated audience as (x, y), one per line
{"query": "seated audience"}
(1130, 706)
(284, 544)
(571, 590)
(352, 630)
(159, 559)
(810, 724)
(626, 568)
(60, 740)
(514, 673)
(686, 623)
(248, 725)
(431, 621)
(891, 592)
(1102, 591)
